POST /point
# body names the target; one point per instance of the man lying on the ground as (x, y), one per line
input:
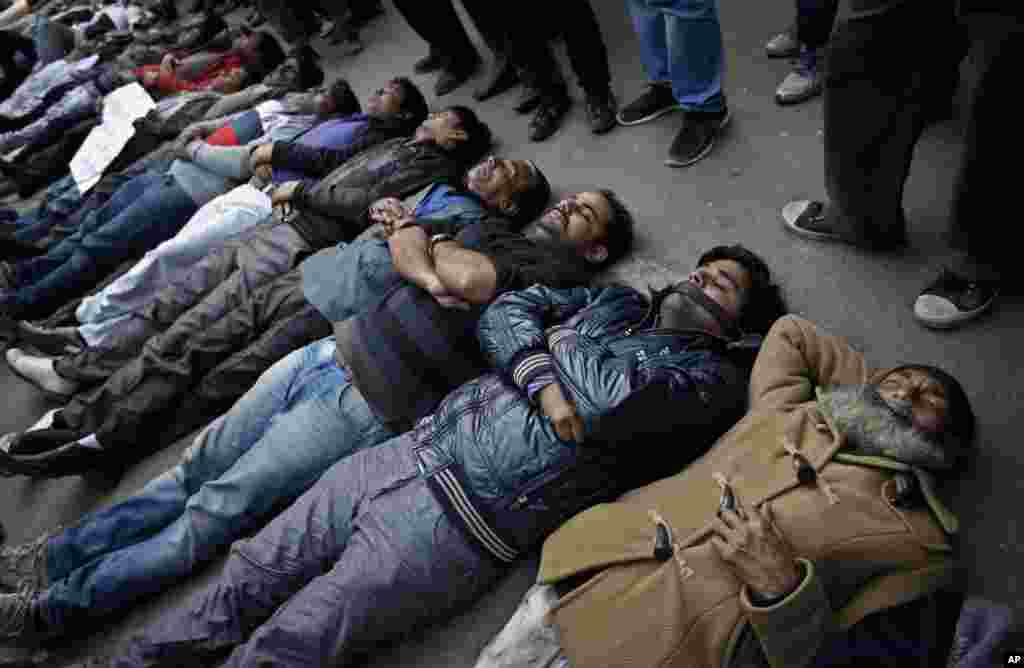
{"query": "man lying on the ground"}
(256, 51)
(217, 349)
(406, 533)
(392, 112)
(170, 118)
(39, 164)
(818, 510)
(309, 411)
(119, 319)
(154, 206)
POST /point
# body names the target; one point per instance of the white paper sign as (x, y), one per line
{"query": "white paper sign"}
(106, 140)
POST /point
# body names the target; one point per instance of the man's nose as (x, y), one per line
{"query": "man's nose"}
(697, 278)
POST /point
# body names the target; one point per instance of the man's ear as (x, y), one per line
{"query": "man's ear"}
(455, 136)
(596, 253)
(507, 205)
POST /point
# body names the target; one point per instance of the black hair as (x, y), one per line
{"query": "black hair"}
(618, 238)
(961, 422)
(311, 74)
(345, 101)
(414, 105)
(531, 201)
(478, 137)
(269, 55)
(763, 304)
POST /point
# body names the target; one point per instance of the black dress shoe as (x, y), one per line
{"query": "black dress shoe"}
(528, 100)
(501, 77)
(56, 341)
(432, 62)
(50, 453)
(451, 79)
(549, 116)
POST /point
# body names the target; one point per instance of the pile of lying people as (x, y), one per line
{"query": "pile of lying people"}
(392, 335)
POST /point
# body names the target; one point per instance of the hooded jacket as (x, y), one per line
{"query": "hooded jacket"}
(864, 550)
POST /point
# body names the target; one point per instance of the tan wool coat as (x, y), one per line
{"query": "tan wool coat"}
(863, 551)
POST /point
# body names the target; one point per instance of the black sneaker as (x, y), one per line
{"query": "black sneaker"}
(811, 220)
(656, 102)
(450, 79)
(696, 137)
(549, 116)
(601, 112)
(951, 300)
(529, 98)
(432, 62)
(500, 78)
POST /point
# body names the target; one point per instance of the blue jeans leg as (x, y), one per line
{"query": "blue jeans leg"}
(157, 215)
(363, 556)
(681, 42)
(301, 417)
(35, 269)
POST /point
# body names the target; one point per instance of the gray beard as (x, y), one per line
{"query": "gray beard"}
(876, 427)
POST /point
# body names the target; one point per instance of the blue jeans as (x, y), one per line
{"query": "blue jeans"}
(106, 313)
(300, 418)
(115, 234)
(681, 43)
(362, 558)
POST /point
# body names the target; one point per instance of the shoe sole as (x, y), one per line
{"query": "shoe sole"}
(803, 97)
(707, 149)
(648, 118)
(790, 225)
(956, 320)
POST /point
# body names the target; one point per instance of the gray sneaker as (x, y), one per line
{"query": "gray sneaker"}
(783, 45)
(803, 83)
(23, 567)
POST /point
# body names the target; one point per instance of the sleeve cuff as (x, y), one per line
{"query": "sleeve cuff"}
(774, 606)
(532, 366)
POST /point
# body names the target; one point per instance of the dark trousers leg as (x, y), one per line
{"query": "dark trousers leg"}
(135, 400)
(489, 22)
(814, 19)
(874, 89)
(585, 46)
(984, 183)
(439, 26)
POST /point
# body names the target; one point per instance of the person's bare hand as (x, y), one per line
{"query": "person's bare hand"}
(283, 193)
(445, 298)
(388, 211)
(168, 64)
(562, 413)
(261, 155)
(755, 552)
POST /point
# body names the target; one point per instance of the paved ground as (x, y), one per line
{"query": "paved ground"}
(770, 155)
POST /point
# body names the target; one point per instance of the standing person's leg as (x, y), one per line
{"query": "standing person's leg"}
(970, 285)
(368, 552)
(682, 50)
(589, 57)
(489, 20)
(451, 50)
(873, 118)
(814, 20)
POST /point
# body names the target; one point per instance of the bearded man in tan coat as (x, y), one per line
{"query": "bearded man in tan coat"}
(817, 510)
